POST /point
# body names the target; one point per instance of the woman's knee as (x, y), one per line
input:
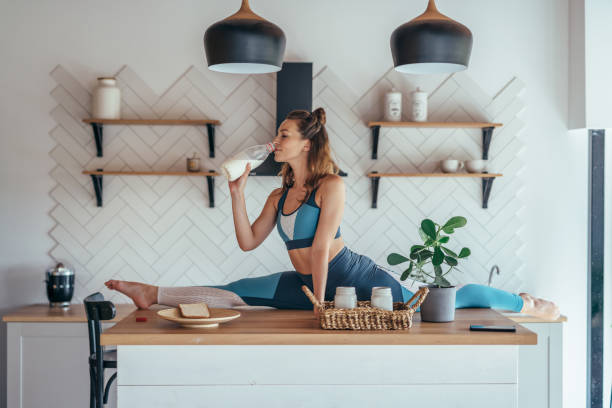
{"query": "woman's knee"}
(473, 295)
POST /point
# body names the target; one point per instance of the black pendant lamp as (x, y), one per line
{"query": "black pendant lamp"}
(431, 44)
(244, 43)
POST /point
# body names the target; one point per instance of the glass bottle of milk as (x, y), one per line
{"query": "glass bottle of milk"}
(235, 166)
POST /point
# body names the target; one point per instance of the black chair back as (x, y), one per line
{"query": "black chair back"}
(97, 309)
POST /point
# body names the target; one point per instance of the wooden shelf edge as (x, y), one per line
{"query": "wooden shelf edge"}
(454, 175)
(151, 173)
(153, 121)
(478, 125)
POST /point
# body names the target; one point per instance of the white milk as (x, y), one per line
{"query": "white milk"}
(233, 168)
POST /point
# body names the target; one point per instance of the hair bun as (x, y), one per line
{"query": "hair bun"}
(319, 114)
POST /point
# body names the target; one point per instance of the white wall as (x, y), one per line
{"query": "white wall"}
(160, 39)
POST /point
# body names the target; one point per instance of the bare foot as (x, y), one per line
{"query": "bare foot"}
(539, 307)
(142, 295)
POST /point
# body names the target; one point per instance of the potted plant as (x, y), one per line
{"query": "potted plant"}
(439, 306)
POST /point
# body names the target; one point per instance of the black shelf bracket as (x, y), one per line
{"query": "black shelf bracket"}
(487, 133)
(487, 184)
(375, 134)
(96, 180)
(375, 182)
(97, 130)
(210, 181)
(211, 139)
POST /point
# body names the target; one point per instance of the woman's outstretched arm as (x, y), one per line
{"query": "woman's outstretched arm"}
(251, 236)
(332, 209)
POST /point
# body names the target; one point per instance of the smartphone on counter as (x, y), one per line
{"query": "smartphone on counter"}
(482, 327)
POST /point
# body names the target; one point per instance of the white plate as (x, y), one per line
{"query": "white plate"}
(216, 316)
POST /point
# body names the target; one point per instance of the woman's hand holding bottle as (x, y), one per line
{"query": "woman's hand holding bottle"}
(237, 186)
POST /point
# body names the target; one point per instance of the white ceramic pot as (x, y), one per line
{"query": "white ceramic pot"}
(346, 297)
(106, 100)
(393, 106)
(382, 298)
(475, 166)
(450, 166)
(419, 106)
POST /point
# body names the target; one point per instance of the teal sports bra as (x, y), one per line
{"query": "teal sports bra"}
(298, 228)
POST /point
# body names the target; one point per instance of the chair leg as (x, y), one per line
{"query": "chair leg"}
(92, 388)
(99, 388)
(107, 388)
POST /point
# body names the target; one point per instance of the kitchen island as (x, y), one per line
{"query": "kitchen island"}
(280, 358)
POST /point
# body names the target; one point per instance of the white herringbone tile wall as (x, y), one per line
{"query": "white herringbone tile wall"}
(160, 229)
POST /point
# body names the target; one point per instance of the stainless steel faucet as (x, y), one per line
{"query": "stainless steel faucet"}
(495, 268)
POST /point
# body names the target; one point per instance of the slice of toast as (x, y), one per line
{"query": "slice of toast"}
(194, 310)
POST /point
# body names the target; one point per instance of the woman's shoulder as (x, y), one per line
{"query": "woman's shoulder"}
(275, 196)
(331, 185)
(331, 182)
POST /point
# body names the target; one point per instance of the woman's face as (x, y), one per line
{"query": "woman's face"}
(289, 143)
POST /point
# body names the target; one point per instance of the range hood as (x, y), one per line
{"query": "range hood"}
(293, 91)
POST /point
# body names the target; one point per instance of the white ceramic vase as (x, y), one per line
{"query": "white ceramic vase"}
(393, 106)
(106, 100)
(419, 106)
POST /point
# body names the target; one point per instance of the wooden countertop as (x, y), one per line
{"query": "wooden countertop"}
(525, 318)
(76, 313)
(42, 313)
(300, 327)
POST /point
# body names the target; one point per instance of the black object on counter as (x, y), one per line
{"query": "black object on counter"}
(482, 327)
(60, 285)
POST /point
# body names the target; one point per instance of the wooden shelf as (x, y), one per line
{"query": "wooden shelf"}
(98, 175)
(98, 124)
(458, 125)
(151, 173)
(153, 122)
(472, 175)
(487, 131)
(487, 182)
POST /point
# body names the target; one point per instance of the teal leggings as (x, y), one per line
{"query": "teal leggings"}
(283, 290)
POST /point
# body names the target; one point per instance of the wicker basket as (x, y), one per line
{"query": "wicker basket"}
(366, 317)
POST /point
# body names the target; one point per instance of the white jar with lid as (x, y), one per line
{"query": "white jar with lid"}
(419, 106)
(393, 106)
(106, 99)
(346, 297)
(382, 298)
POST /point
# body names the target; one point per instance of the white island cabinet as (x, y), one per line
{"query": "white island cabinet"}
(281, 358)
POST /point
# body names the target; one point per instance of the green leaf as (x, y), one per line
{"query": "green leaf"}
(465, 252)
(416, 248)
(423, 235)
(438, 257)
(449, 252)
(450, 260)
(407, 272)
(444, 240)
(396, 259)
(455, 222)
(424, 255)
(429, 242)
(429, 228)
